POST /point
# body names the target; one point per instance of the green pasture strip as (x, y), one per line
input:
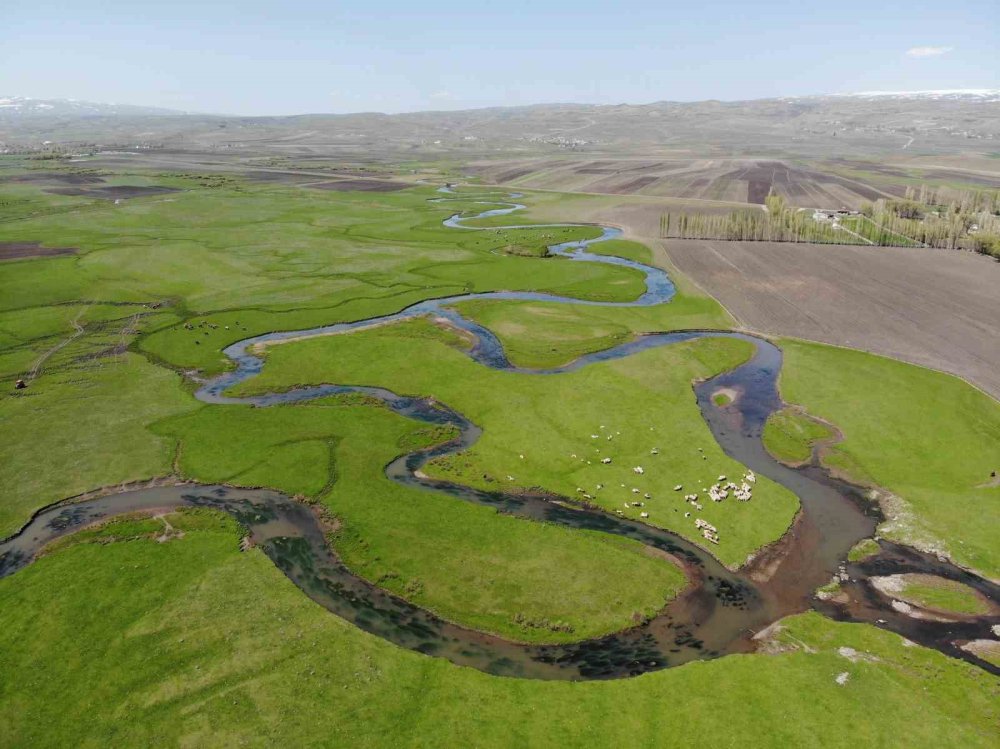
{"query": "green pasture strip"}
(928, 437)
(191, 642)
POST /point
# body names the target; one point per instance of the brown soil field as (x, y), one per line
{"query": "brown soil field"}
(60, 178)
(276, 177)
(937, 308)
(114, 192)
(736, 180)
(638, 216)
(361, 185)
(21, 250)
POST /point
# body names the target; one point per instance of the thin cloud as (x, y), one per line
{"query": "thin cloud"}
(927, 51)
(442, 95)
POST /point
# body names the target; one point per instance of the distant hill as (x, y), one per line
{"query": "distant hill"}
(841, 124)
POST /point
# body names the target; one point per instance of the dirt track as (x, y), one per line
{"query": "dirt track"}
(937, 308)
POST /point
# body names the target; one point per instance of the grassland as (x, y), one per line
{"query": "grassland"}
(641, 402)
(927, 438)
(179, 278)
(545, 334)
(863, 549)
(928, 591)
(83, 424)
(190, 642)
(541, 334)
(467, 563)
(790, 435)
(273, 257)
(241, 258)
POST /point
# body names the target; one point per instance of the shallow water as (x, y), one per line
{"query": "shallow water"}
(717, 614)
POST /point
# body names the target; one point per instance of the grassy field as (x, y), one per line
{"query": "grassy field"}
(466, 563)
(789, 435)
(191, 642)
(547, 334)
(273, 257)
(939, 593)
(641, 402)
(928, 438)
(242, 258)
(245, 259)
(83, 424)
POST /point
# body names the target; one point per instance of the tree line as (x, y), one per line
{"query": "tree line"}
(926, 216)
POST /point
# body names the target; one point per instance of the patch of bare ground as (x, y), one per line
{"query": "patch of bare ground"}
(65, 178)
(360, 185)
(936, 308)
(21, 250)
(279, 176)
(901, 522)
(769, 643)
(113, 192)
(741, 180)
(987, 650)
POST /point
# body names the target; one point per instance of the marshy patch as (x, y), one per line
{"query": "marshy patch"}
(22, 250)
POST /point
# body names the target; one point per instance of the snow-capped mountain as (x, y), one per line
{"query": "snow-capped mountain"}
(953, 94)
(24, 106)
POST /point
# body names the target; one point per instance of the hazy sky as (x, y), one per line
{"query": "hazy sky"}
(256, 57)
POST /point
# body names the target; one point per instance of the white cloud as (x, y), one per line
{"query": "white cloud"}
(927, 51)
(442, 95)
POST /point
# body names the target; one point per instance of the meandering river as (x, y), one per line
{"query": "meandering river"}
(717, 614)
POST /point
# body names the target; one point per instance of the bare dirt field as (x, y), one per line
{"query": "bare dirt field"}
(21, 250)
(276, 176)
(364, 185)
(114, 192)
(734, 180)
(638, 215)
(64, 178)
(937, 308)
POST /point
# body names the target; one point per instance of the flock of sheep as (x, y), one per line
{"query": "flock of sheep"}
(717, 492)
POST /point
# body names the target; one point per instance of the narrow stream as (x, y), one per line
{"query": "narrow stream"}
(717, 614)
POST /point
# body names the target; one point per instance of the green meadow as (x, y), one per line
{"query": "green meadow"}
(928, 438)
(790, 435)
(553, 432)
(467, 563)
(942, 594)
(191, 642)
(242, 258)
